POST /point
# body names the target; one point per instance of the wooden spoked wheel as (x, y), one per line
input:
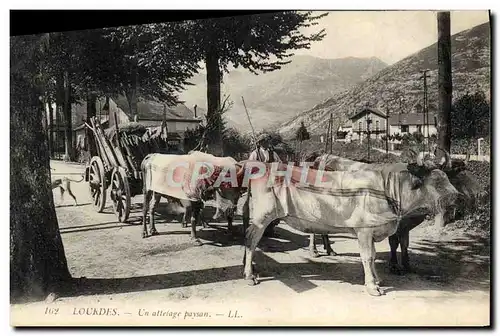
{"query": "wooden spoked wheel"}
(97, 183)
(120, 194)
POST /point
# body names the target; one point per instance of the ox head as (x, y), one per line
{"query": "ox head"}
(428, 187)
(222, 187)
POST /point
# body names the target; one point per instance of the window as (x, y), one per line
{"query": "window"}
(404, 128)
(359, 126)
(377, 125)
(419, 128)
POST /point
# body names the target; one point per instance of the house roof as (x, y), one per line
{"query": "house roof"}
(151, 110)
(410, 119)
(370, 110)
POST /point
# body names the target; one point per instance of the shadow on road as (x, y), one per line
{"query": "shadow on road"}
(450, 266)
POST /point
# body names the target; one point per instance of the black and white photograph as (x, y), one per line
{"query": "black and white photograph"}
(251, 168)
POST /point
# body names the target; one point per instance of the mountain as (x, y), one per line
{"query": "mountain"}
(471, 71)
(276, 96)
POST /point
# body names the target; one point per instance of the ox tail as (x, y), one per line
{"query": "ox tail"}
(146, 173)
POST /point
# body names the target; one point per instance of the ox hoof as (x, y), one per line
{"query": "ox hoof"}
(154, 233)
(252, 281)
(196, 242)
(331, 252)
(144, 235)
(184, 225)
(374, 291)
(314, 254)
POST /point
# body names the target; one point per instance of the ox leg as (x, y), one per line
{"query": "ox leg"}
(374, 269)
(256, 235)
(405, 259)
(197, 207)
(439, 220)
(313, 251)
(246, 224)
(367, 253)
(145, 208)
(230, 223)
(188, 213)
(394, 243)
(326, 244)
(152, 207)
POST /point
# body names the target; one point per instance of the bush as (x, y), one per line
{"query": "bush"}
(236, 145)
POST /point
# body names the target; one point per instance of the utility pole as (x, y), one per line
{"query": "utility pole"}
(368, 122)
(329, 136)
(425, 107)
(387, 132)
(445, 85)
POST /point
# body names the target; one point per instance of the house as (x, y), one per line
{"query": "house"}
(367, 119)
(179, 118)
(151, 114)
(411, 123)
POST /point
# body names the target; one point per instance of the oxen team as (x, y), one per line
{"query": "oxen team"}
(327, 195)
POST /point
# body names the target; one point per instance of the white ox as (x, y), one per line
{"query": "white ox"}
(371, 204)
(466, 185)
(183, 178)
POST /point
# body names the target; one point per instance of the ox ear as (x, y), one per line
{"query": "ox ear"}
(444, 162)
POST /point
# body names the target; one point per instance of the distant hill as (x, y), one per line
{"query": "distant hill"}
(279, 95)
(471, 71)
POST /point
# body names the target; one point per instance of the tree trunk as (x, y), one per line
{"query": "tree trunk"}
(59, 110)
(91, 112)
(37, 261)
(444, 80)
(132, 100)
(51, 128)
(68, 129)
(213, 98)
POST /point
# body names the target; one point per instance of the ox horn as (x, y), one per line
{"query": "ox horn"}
(420, 158)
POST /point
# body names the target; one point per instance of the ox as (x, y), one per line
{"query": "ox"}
(184, 179)
(465, 184)
(372, 204)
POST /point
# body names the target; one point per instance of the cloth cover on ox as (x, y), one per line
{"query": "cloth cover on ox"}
(351, 199)
(162, 169)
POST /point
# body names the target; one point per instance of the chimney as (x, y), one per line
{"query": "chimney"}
(195, 107)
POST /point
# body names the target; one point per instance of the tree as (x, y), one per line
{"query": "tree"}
(259, 43)
(302, 133)
(114, 61)
(470, 117)
(155, 61)
(37, 261)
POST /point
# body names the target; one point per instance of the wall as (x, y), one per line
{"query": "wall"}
(373, 126)
(394, 129)
(181, 126)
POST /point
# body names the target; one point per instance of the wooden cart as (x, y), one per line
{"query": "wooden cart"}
(117, 166)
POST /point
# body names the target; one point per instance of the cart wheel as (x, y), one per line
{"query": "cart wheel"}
(120, 194)
(97, 183)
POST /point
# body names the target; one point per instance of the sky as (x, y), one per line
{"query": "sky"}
(388, 35)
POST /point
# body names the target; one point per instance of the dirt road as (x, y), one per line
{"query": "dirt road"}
(202, 285)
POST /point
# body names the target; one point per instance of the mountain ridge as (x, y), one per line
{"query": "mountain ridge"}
(276, 96)
(471, 71)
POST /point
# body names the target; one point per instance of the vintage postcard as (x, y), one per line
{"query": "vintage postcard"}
(286, 168)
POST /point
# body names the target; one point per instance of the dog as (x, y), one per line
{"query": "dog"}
(64, 185)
